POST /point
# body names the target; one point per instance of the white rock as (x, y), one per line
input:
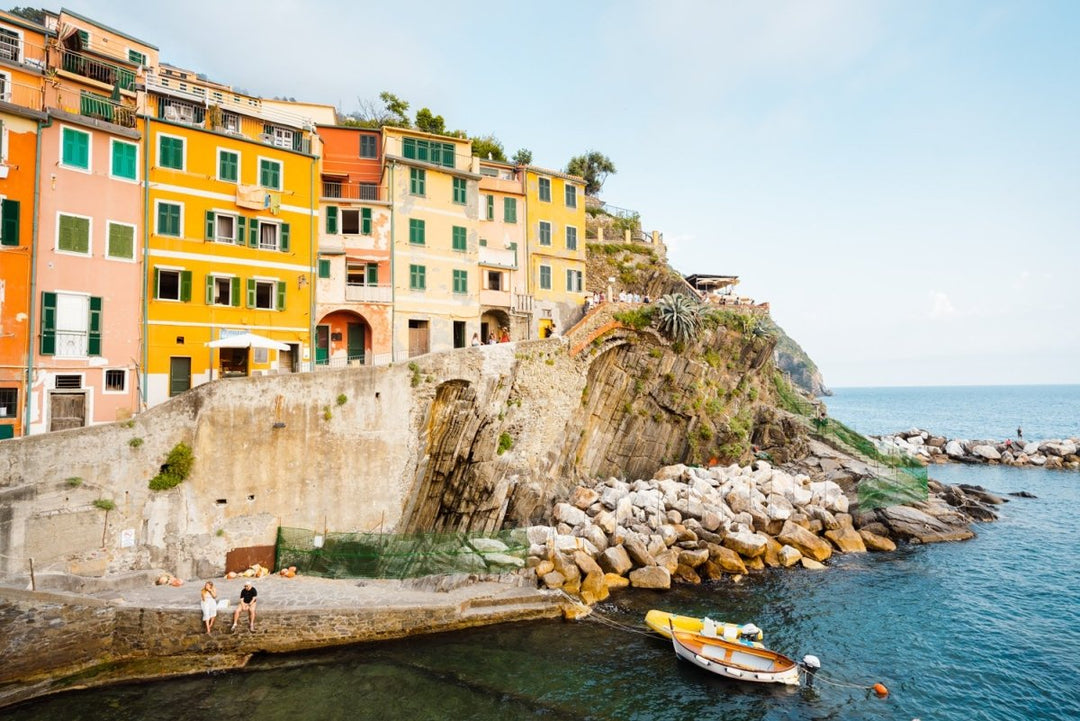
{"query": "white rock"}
(1031, 448)
(611, 495)
(624, 509)
(539, 535)
(606, 520)
(568, 514)
(488, 545)
(778, 508)
(986, 451)
(954, 449)
(649, 499)
(503, 559)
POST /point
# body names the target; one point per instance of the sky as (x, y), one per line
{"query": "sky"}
(899, 180)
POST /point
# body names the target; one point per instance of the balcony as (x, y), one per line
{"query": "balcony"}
(359, 293)
(339, 190)
(500, 257)
(496, 298)
(25, 96)
(179, 111)
(97, 70)
(102, 108)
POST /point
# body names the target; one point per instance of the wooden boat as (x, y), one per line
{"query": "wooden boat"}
(662, 622)
(735, 660)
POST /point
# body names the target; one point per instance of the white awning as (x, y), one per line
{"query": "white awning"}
(247, 340)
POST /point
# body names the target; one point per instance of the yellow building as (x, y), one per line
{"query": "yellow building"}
(504, 298)
(230, 217)
(432, 183)
(555, 240)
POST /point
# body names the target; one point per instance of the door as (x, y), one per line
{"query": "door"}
(67, 410)
(322, 345)
(356, 342)
(179, 375)
(418, 337)
(459, 334)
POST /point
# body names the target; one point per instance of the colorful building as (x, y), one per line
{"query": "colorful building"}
(432, 185)
(230, 225)
(86, 275)
(22, 66)
(354, 295)
(504, 298)
(555, 229)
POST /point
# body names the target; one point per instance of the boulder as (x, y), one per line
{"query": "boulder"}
(539, 535)
(488, 545)
(583, 497)
(669, 559)
(986, 452)
(846, 540)
(675, 472)
(953, 449)
(503, 559)
(543, 568)
(615, 560)
(710, 571)
(606, 521)
(586, 563)
(789, 556)
(811, 564)
(651, 577)
(567, 568)
(593, 589)
(726, 559)
(669, 534)
(612, 580)
(638, 551)
(807, 543)
(571, 516)
(693, 558)
(648, 499)
(685, 574)
(594, 535)
(772, 552)
(778, 508)
(874, 542)
(912, 524)
(755, 564)
(554, 579)
(746, 543)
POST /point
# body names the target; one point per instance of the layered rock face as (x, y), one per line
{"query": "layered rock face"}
(688, 524)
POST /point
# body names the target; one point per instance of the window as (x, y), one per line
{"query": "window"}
(170, 284)
(222, 290)
(457, 239)
(283, 138)
(574, 281)
(571, 196)
(230, 122)
(494, 280)
(429, 151)
(461, 281)
(365, 221)
(75, 149)
(368, 191)
(9, 397)
(417, 181)
(510, 210)
(70, 325)
(266, 294)
(545, 233)
(545, 277)
(136, 57)
(416, 231)
(571, 237)
(417, 277)
(9, 222)
(270, 173)
(10, 45)
(331, 220)
(362, 274)
(169, 219)
(5, 85)
(228, 166)
(124, 160)
(115, 380)
(459, 191)
(324, 267)
(350, 221)
(490, 207)
(545, 189)
(121, 241)
(367, 147)
(73, 234)
(373, 274)
(171, 152)
(268, 235)
(224, 228)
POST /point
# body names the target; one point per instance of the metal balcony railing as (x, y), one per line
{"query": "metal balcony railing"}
(71, 343)
(25, 96)
(338, 190)
(98, 70)
(102, 108)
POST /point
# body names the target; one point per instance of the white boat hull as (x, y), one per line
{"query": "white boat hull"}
(738, 672)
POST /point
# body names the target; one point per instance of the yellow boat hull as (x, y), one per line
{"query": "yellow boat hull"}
(662, 622)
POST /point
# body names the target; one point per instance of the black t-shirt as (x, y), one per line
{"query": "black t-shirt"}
(247, 595)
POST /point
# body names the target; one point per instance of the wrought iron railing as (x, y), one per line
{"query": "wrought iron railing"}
(337, 190)
(98, 70)
(96, 106)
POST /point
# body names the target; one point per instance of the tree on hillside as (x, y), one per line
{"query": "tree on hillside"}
(429, 122)
(522, 157)
(594, 167)
(392, 113)
(488, 147)
(32, 14)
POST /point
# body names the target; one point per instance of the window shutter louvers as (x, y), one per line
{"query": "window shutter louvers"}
(9, 226)
(284, 245)
(331, 220)
(281, 295)
(209, 289)
(251, 293)
(254, 238)
(48, 323)
(234, 296)
(210, 225)
(240, 229)
(185, 286)
(93, 346)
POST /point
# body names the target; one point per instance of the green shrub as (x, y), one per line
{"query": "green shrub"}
(342, 399)
(176, 468)
(74, 481)
(326, 413)
(506, 442)
(415, 375)
(135, 442)
(679, 317)
(636, 318)
(104, 504)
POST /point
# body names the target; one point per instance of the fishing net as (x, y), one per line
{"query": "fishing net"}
(393, 555)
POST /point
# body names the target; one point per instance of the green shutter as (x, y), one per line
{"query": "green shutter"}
(281, 295)
(157, 283)
(121, 241)
(284, 244)
(491, 207)
(365, 221)
(210, 225)
(9, 225)
(373, 274)
(234, 294)
(458, 238)
(48, 323)
(185, 286)
(209, 289)
(253, 241)
(240, 229)
(331, 220)
(251, 293)
(93, 346)
(324, 267)
(297, 141)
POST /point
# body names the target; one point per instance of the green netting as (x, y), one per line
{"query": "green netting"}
(393, 555)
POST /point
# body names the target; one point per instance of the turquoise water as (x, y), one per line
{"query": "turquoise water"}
(988, 629)
(970, 412)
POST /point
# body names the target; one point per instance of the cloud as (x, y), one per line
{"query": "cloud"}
(940, 306)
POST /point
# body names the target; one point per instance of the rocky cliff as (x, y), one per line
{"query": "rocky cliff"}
(794, 361)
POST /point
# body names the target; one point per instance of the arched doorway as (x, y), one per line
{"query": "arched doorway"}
(495, 323)
(342, 338)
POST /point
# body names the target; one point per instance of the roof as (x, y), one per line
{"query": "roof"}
(103, 26)
(24, 23)
(556, 173)
(413, 131)
(705, 279)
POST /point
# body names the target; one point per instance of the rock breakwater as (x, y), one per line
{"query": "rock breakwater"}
(690, 524)
(930, 448)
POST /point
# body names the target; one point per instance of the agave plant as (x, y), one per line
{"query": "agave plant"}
(678, 316)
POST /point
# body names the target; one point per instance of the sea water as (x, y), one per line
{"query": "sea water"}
(984, 629)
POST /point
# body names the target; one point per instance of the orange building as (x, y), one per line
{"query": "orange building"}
(354, 295)
(22, 63)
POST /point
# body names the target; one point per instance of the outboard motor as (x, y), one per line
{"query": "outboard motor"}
(810, 664)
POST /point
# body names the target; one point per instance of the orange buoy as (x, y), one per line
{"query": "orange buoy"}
(880, 690)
